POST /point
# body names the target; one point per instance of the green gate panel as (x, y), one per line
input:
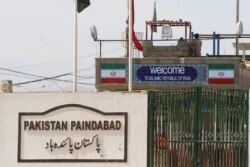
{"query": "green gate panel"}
(197, 127)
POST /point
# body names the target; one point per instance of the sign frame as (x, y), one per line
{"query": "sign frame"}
(19, 159)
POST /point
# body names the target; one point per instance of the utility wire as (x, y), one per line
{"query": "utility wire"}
(53, 61)
(9, 74)
(18, 72)
(42, 78)
(85, 77)
(81, 77)
(51, 78)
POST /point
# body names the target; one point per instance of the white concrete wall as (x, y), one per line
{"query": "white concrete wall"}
(135, 104)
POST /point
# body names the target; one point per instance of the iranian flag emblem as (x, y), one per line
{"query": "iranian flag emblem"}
(221, 74)
(113, 73)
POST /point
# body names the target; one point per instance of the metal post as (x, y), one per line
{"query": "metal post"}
(214, 41)
(130, 48)
(185, 31)
(150, 135)
(75, 49)
(100, 49)
(237, 20)
(243, 54)
(190, 34)
(237, 11)
(218, 44)
(197, 116)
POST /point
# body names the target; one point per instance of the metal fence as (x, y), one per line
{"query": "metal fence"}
(198, 127)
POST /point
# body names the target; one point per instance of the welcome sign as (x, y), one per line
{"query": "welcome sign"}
(170, 73)
(72, 133)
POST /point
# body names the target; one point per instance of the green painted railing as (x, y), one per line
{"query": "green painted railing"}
(197, 127)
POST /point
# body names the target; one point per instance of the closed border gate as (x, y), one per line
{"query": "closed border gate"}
(197, 127)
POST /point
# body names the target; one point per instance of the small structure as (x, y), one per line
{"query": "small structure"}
(186, 24)
(243, 46)
(245, 71)
(6, 86)
(180, 50)
(170, 66)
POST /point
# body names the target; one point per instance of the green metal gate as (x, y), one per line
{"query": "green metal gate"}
(198, 127)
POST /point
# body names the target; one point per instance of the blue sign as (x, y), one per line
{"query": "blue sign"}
(169, 73)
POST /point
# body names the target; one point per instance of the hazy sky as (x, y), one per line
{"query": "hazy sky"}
(36, 36)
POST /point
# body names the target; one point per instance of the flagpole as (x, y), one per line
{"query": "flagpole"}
(75, 49)
(237, 20)
(130, 47)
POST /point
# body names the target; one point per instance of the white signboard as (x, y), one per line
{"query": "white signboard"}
(72, 133)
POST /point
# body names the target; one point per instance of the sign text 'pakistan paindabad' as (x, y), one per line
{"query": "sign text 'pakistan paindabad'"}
(72, 133)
